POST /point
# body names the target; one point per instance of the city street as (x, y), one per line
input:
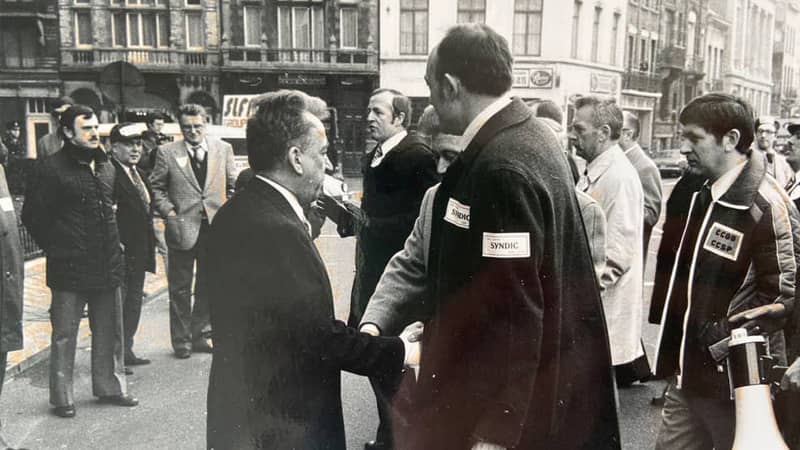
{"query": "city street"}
(172, 392)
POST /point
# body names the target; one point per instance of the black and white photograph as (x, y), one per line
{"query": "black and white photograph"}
(400, 224)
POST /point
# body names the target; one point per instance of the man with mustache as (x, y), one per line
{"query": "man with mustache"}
(69, 211)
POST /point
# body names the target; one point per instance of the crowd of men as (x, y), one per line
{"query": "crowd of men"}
(498, 295)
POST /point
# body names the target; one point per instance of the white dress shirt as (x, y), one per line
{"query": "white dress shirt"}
(291, 199)
(723, 183)
(387, 146)
(480, 120)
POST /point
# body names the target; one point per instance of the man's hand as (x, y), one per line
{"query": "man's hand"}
(411, 337)
(332, 208)
(791, 379)
(761, 319)
(487, 446)
(172, 213)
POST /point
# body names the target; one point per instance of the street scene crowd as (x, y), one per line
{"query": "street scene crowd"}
(498, 298)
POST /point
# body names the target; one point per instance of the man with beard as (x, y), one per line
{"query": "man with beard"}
(397, 172)
(69, 211)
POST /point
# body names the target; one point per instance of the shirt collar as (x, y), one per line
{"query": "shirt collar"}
(190, 147)
(392, 142)
(723, 183)
(599, 166)
(480, 120)
(631, 148)
(290, 198)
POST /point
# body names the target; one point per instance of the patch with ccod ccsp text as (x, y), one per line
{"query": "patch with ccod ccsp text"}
(724, 241)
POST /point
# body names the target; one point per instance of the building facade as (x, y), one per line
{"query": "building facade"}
(29, 56)
(326, 48)
(173, 45)
(550, 61)
(641, 82)
(786, 60)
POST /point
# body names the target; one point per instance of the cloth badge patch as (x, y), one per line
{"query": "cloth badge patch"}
(457, 214)
(507, 245)
(6, 204)
(182, 161)
(724, 241)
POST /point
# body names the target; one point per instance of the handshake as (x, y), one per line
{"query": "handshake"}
(412, 341)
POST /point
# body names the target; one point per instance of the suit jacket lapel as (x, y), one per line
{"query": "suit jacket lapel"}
(181, 154)
(128, 188)
(212, 160)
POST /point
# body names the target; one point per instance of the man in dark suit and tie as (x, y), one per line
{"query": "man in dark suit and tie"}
(135, 223)
(397, 172)
(278, 352)
(191, 180)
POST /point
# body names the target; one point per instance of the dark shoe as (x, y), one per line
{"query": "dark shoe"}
(203, 346)
(183, 353)
(128, 371)
(377, 445)
(65, 411)
(133, 360)
(119, 400)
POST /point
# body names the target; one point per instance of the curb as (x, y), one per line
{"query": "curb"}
(83, 333)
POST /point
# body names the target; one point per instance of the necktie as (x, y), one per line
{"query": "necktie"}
(199, 153)
(139, 185)
(790, 185)
(378, 156)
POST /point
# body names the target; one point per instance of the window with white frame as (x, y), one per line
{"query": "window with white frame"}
(414, 27)
(598, 11)
(195, 38)
(251, 16)
(193, 3)
(140, 29)
(471, 11)
(83, 28)
(348, 27)
(528, 27)
(301, 24)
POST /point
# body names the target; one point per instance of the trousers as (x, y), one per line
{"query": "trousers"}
(187, 323)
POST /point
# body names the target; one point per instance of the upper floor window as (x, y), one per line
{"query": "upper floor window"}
(414, 27)
(301, 24)
(251, 16)
(528, 27)
(140, 29)
(83, 28)
(18, 44)
(348, 27)
(195, 37)
(471, 11)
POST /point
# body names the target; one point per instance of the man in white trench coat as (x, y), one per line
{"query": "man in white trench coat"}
(613, 182)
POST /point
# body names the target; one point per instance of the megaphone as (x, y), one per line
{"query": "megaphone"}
(756, 427)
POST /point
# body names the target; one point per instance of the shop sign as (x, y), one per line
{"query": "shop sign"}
(236, 109)
(302, 80)
(520, 78)
(603, 84)
(542, 78)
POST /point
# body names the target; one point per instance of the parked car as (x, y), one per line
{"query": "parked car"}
(670, 162)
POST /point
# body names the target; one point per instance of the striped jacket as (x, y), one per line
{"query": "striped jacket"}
(744, 257)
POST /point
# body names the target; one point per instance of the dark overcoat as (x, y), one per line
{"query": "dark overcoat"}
(69, 211)
(135, 222)
(278, 352)
(12, 272)
(515, 350)
(392, 194)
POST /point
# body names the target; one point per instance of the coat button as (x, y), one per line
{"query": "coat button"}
(8, 275)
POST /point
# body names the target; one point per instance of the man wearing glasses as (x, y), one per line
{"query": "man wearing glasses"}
(190, 181)
(766, 129)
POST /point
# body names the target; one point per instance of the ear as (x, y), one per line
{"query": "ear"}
(399, 119)
(731, 139)
(451, 86)
(68, 132)
(294, 160)
(605, 131)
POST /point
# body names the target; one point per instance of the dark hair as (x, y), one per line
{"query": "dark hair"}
(400, 104)
(152, 117)
(759, 122)
(58, 103)
(548, 109)
(67, 119)
(604, 112)
(278, 122)
(632, 120)
(191, 109)
(719, 113)
(478, 56)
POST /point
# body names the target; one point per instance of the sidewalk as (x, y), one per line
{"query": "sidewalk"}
(36, 316)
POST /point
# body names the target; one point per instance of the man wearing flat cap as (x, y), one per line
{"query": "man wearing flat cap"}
(135, 223)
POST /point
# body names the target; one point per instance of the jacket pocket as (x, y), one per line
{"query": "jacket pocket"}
(173, 233)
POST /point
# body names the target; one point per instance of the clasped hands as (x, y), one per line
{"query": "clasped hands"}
(411, 337)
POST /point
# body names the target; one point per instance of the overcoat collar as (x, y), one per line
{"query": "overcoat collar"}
(742, 192)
